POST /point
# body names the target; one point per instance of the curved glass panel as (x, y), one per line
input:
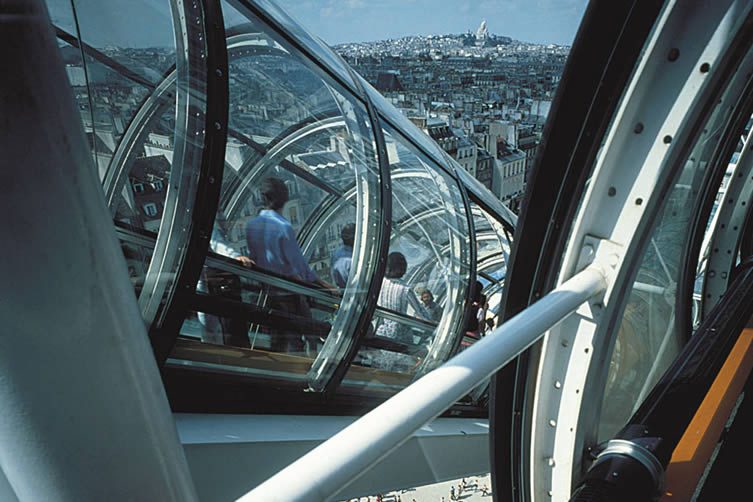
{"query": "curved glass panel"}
(292, 251)
(149, 52)
(420, 304)
(407, 127)
(62, 17)
(649, 338)
(492, 278)
(492, 255)
(474, 187)
(310, 42)
(124, 65)
(147, 91)
(491, 236)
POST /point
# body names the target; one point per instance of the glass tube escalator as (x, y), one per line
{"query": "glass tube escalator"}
(296, 245)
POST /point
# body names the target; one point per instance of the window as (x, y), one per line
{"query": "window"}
(427, 254)
(150, 209)
(157, 186)
(290, 124)
(138, 187)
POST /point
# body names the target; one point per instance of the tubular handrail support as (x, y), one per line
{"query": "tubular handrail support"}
(331, 466)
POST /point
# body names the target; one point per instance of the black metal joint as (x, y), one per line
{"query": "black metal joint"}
(624, 471)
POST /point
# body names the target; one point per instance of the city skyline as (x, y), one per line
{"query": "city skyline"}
(343, 21)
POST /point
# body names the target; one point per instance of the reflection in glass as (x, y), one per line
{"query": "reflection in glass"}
(143, 111)
(122, 67)
(311, 42)
(285, 284)
(396, 118)
(648, 339)
(298, 204)
(429, 253)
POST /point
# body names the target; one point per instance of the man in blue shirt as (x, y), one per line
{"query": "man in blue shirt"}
(273, 246)
(271, 240)
(342, 258)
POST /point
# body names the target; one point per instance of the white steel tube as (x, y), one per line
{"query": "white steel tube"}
(84, 412)
(335, 463)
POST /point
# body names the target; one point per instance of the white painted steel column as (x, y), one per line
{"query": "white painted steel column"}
(331, 466)
(84, 414)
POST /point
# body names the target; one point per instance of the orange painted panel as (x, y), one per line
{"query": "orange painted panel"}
(697, 444)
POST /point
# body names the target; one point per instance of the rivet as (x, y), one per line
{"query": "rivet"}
(674, 53)
(705, 67)
(638, 128)
(612, 191)
(217, 126)
(638, 201)
(550, 461)
(667, 139)
(557, 384)
(552, 423)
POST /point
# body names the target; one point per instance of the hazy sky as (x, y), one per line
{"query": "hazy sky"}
(337, 21)
(148, 22)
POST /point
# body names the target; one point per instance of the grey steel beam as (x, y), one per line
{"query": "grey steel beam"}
(250, 448)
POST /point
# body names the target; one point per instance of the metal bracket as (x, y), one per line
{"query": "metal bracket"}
(602, 253)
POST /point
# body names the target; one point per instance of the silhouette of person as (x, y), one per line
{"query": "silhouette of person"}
(342, 258)
(396, 296)
(481, 314)
(216, 330)
(272, 244)
(472, 325)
